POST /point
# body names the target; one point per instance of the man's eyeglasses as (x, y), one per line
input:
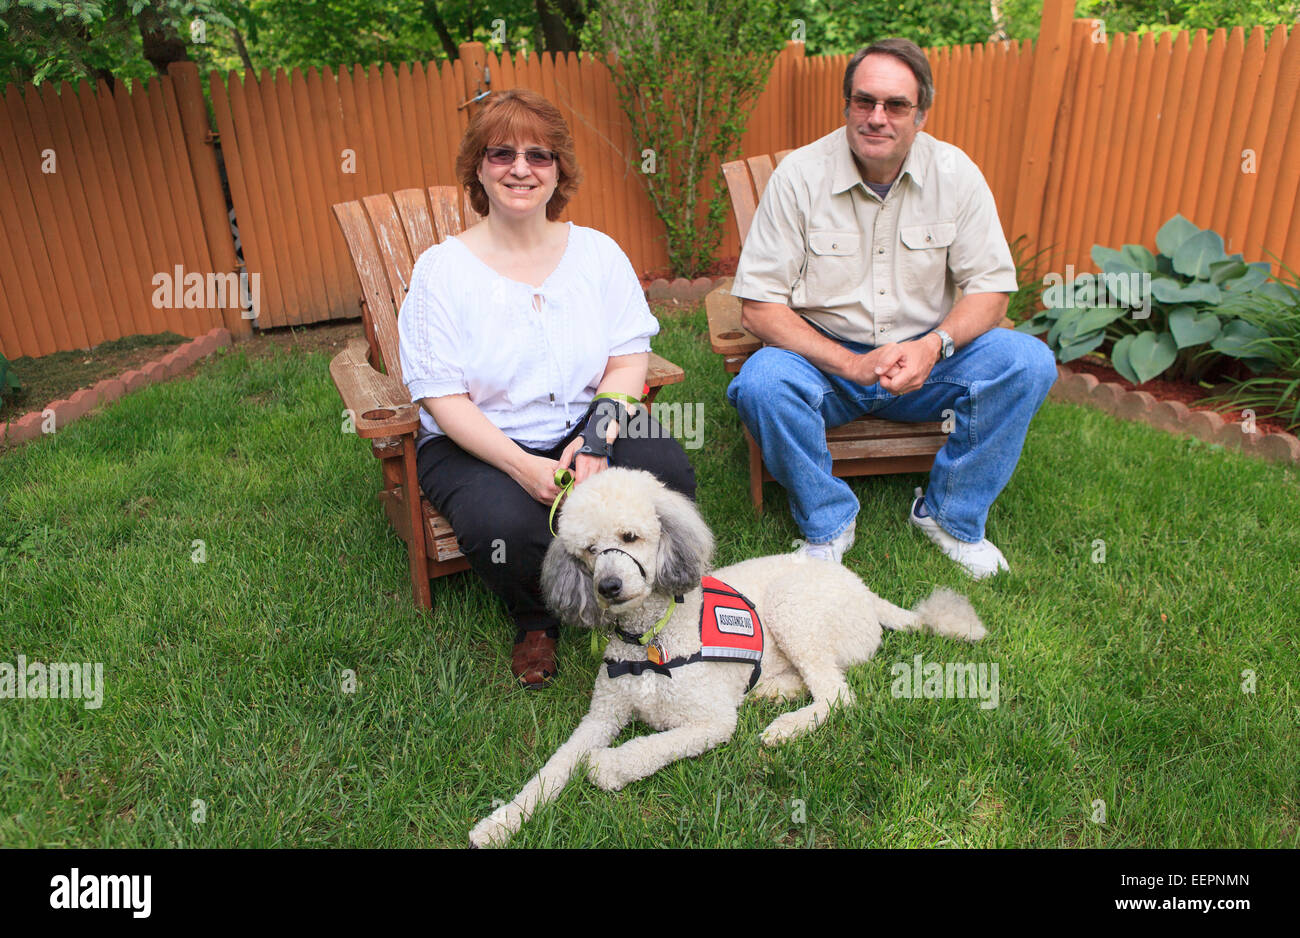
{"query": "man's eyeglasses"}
(505, 156)
(894, 107)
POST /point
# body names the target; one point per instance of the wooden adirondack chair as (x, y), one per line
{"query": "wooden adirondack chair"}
(385, 234)
(867, 446)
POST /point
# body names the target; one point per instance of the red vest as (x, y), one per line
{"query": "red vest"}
(729, 631)
(729, 626)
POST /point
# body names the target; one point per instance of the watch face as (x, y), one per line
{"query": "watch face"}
(946, 347)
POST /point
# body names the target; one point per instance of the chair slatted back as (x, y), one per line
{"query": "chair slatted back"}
(746, 180)
(760, 168)
(393, 247)
(385, 235)
(413, 207)
(378, 309)
(446, 218)
(743, 202)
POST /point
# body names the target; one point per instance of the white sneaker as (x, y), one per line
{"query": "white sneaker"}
(830, 550)
(979, 560)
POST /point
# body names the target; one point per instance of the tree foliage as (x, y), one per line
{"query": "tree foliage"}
(291, 33)
(833, 27)
(49, 40)
(1021, 17)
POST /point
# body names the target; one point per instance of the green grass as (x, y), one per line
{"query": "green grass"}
(1120, 680)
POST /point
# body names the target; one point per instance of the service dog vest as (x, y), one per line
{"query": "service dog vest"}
(729, 625)
(730, 630)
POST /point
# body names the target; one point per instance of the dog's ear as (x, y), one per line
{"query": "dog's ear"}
(566, 587)
(685, 543)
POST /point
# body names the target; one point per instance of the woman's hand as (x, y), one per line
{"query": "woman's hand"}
(583, 465)
(536, 476)
(587, 466)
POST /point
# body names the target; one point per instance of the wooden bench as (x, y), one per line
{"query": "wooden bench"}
(385, 235)
(866, 446)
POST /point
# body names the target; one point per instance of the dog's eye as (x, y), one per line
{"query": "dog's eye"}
(629, 537)
(591, 548)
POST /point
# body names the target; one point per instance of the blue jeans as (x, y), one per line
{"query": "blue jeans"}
(993, 386)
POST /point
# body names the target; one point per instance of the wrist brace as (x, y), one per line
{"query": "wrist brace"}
(596, 434)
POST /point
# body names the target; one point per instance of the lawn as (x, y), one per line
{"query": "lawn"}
(1162, 681)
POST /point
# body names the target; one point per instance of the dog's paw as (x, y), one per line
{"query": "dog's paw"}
(786, 727)
(603, 770)
(493, 831)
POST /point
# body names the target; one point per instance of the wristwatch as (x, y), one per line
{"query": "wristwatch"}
(947, 348)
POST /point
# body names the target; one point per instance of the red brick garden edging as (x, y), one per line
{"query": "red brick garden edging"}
(1172, 416)
(682, 290)
(79, 403)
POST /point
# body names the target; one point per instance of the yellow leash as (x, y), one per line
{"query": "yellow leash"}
(564, 477)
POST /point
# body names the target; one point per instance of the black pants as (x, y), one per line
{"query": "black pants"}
(503, 531)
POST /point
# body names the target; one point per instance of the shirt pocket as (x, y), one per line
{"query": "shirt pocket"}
(834, 265)
(924, 258)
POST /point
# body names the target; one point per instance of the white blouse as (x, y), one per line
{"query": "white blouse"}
(465, 329)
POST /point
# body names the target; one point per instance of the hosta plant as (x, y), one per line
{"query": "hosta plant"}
(1176, 313)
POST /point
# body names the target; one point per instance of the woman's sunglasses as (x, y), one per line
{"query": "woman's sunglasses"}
(505, 156)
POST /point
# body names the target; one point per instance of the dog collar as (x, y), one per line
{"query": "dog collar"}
(597, 648)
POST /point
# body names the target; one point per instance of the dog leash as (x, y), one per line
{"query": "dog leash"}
(564, 478)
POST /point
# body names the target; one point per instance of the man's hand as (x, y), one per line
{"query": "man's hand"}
(909, 364)
(867, 368)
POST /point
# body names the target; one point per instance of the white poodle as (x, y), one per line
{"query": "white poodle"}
(629, 557)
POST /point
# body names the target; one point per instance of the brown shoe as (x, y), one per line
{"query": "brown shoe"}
(533, 661)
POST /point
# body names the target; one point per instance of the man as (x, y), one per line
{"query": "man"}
(850, 274)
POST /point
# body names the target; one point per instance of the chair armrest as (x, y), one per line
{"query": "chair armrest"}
(380, 404)
(661, 372)
(726, 335)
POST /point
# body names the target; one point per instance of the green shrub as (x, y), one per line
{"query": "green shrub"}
(688, 75)
(8, 380)
(1276, 394)
(1177, 312)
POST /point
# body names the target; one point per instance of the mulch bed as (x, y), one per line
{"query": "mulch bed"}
(59, 376)
(722, 267)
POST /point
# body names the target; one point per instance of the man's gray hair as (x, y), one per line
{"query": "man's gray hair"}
(907, 52)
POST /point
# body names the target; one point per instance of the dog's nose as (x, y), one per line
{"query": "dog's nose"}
(610, 586)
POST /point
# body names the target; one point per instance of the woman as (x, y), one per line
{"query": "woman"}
(508, 333)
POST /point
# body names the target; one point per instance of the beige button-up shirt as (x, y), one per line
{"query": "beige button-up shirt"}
(868, 269)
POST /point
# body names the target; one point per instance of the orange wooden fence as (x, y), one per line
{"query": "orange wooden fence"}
(294, 144)
(97, 198)
(1084, 139)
